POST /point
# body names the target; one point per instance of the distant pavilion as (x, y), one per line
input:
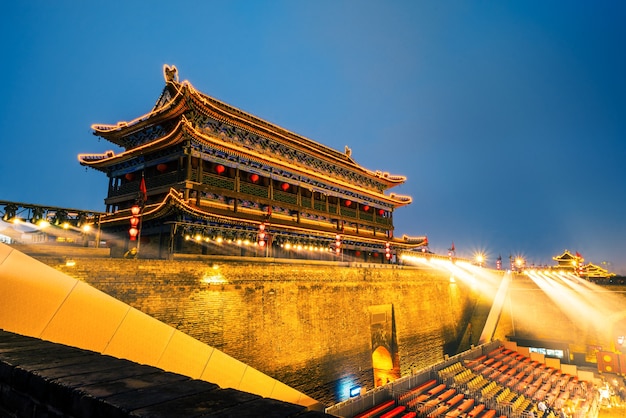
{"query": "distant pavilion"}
(575, 263)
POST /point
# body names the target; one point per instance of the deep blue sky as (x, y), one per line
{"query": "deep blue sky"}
(508, 118)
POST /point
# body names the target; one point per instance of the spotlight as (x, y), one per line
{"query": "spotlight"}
(60, 217)
(9, 212)
(80, 220)
(37, 215)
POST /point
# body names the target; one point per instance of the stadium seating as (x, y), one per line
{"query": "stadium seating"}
(502, 383)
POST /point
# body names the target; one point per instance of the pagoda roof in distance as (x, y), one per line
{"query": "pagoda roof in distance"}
(567, 256)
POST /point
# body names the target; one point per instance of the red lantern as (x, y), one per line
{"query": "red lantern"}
(284, 186)
(134, 221)
(261, 235)
(375, 255)
(254, 178)
(366, 208)
(129, 176)
(381, 212)
(219, 169)
(357, 253)
(161, 168)
(348, 202)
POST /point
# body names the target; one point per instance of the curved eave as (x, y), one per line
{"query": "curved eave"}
(246, 121)
(414, 242)
(393, 199)
(103, 161)
(173, 203)
(116, 133)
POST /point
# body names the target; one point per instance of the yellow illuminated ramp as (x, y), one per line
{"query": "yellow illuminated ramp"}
(39, 301)
(496, 310)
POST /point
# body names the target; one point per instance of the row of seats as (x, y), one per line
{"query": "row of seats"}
(499, 384)
(531, 382)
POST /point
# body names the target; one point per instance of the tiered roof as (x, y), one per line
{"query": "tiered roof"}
(567, 259)
(571, 261)
(183, 113)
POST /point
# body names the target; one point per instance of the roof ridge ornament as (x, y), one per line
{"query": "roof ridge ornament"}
(170, 73)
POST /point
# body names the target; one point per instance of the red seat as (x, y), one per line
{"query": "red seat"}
(456, 399)
(467, 404)
(418, 390)
(394, 412)
(477, 410)
(495, 352)
(436, 389)
(419, 399)
(447, 394)
(437, 412)
(473, 363)
(376, 409)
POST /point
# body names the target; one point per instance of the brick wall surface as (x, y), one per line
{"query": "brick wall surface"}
(305, 325)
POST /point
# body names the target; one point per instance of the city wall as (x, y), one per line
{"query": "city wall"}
(306, 325)
(309, 325)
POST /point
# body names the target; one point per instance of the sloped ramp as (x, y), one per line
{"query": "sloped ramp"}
(39, 301)
(496, 309)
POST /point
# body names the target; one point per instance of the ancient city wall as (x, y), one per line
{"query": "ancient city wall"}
(306, 325)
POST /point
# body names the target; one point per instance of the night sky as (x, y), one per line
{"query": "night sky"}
(508, 118)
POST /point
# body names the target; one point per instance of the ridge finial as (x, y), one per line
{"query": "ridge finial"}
(170, 73)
